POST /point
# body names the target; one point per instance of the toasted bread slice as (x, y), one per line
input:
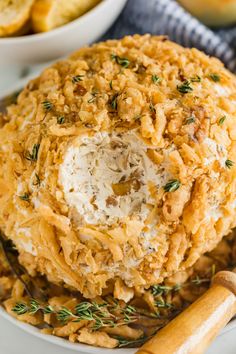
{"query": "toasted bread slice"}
(213, 13)
(14, 15)
(49, 14)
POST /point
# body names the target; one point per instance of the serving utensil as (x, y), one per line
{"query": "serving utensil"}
(195, 328)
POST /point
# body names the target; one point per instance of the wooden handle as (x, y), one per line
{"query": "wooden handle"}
(194, 329)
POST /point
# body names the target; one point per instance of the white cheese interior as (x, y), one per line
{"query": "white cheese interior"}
(93, 170)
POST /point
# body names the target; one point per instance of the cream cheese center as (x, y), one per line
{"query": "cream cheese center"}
(106, 178)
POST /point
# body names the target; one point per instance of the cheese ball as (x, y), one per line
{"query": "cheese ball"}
(118, 165)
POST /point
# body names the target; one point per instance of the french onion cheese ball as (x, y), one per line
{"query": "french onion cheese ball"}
(118, 165)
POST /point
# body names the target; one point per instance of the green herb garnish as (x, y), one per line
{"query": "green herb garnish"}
(111, 85)
(20, 308)
(160, 289)
(215, 77)
(124, 62)
(37, 180)
(61, 120)
(189, 120)
(199, 281)
(221, 120)
(77, 78)
(172, 185)
(93, 98)
(156, 79)
(196, 79)
(25, 197)
(229, 163)
(47, 105)
(163, 304)
(124, 342)
(185, 87)
(33, 156)
(152, 108)
(113, 102)
(101, 315)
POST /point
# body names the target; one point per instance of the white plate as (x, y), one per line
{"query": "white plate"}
(42, 47)
(82, 348)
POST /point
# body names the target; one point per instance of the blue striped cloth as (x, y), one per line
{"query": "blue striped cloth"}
(168, 17)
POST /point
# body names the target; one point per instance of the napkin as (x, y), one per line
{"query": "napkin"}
(169, 18)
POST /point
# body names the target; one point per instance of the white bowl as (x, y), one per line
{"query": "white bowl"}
(78, 347)
(42, 47)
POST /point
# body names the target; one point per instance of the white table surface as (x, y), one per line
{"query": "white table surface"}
(15, 341)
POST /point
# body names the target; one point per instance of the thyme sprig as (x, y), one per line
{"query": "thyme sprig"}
(124, 342)
(33, 156)
(101, 315)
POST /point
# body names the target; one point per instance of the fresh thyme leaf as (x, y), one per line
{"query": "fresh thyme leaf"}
(20, 308)
(189, 120)
(33, 156)
(156, 79)
(111, 85)
(130, 309)
(25, 197)
(172, 185)
(124, 342)
(100, 315)
(34, 306)
(93, 98)
(64, 314)
(213, 270)
(47, 310)
(124, 62)
(160, 289)
(177, 287)
(61, 120)
(215, 77)
(185, 87)
(113, 102)
(163, 304)
(37, 180)
(229, 163)
(77, 78)
(198, 281)
(152, 108)
(221, 120)
(47, 105)
(196, 79)
(83, 306)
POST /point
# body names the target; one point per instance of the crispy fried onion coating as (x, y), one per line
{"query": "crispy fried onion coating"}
(118, 165)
